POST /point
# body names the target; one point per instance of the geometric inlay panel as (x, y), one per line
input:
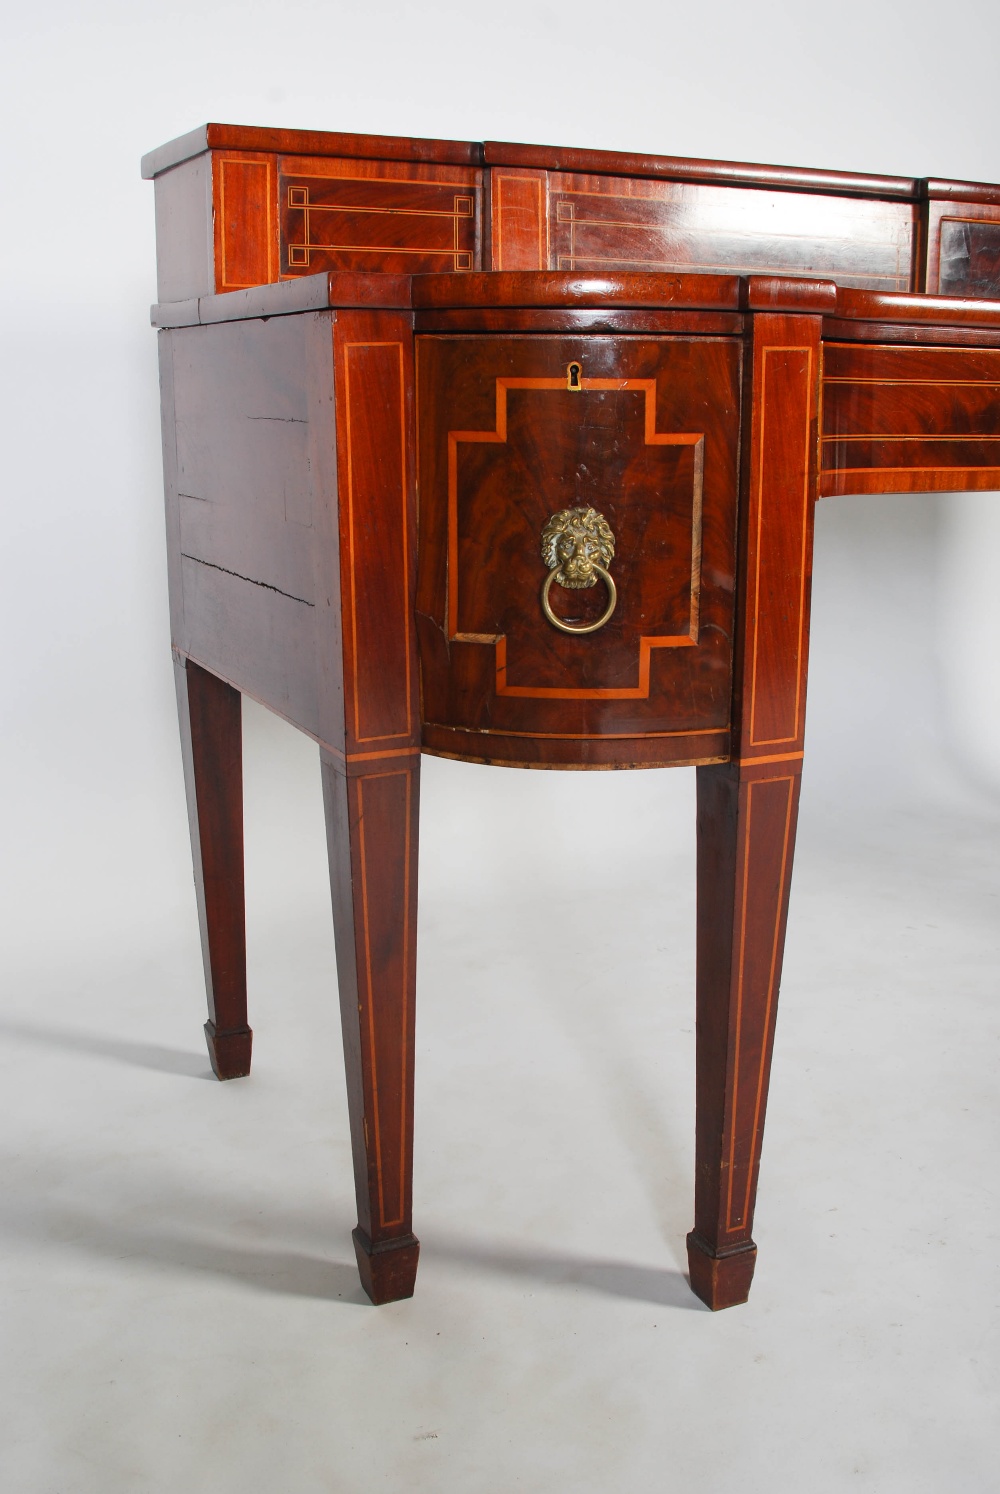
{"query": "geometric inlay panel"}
(403, 227)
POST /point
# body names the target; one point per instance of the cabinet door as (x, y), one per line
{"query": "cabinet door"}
(517, 430)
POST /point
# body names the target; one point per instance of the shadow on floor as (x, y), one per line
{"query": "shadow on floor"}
(177, 1244)
(293, 1273)
(186, 1233)
(661, 1287)
(121, 1050)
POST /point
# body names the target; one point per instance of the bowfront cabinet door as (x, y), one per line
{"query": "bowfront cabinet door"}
(577, 546)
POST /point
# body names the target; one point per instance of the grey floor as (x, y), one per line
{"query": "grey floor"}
(181, 1309)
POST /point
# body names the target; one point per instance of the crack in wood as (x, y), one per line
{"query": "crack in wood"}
(239, 577)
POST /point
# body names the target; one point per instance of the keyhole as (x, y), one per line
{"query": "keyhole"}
(573, 380)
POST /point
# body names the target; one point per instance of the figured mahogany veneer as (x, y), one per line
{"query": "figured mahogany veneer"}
(503, 444)
(359, 467)
(908, 419)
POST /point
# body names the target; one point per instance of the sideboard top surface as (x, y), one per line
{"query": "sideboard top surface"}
(556, 158)
(839, 306)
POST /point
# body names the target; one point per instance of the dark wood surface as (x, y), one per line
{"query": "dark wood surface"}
(778, 488)
(300, 419)
(910, 419)
(963, 245)
(243, 500)
(210, 716)
(651, 444)
(403, 218)
(578, 319)
(545, 157)
(237, 206)
(746, 837)
(308, 143)
(568, 290)
(377, 541)
(747, 808)
(372, 820)
(690, 169)
(928, 312)
(569, 221)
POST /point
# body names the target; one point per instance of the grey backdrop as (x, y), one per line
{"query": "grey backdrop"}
(905, 682)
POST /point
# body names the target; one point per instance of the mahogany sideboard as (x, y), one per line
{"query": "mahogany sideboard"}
(510, 454)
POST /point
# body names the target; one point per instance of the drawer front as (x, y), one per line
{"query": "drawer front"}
(649, 442)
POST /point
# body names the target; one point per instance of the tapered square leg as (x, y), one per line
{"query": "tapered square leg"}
(747, 808)
(372, 822)
(388, 1271)
(720, 1280)
(211, 740)
(746, 837)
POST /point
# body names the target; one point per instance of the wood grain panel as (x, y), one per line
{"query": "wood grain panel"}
(245, 228)
(518, 218)
(776, 532)
(969, 257)
(259, 641)
(908, 418)
(650, 442)
(240, 506)
(686, 637)
(963, 249)
(602, 223)
(377, 527)
(271, 553)
(381, 216)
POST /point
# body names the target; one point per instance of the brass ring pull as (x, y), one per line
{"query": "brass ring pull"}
(578, 546)
(565, 627)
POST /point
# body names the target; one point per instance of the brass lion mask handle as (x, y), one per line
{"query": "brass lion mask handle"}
(578, 547)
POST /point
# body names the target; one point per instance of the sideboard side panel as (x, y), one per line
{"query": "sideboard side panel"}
(185, 249)
(241, 506)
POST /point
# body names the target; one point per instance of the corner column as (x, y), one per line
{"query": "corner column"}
(370, 759)
(747, 808)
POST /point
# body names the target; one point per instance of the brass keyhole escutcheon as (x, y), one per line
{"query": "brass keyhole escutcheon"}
(574, 378)
(578, 547)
